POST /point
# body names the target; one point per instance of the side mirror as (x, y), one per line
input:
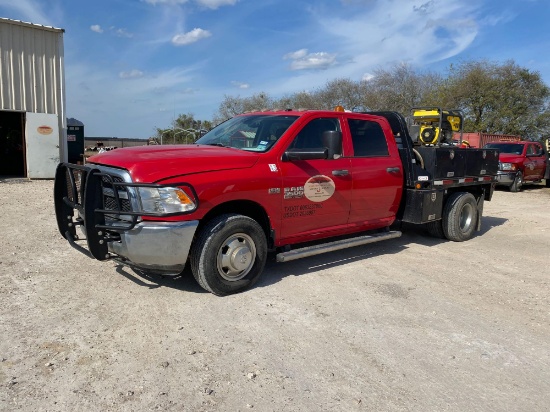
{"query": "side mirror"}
(332, 140)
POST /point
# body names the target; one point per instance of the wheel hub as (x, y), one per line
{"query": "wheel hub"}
(466, 217)
(236, 257)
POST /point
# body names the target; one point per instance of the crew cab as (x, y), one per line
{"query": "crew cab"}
(289, 183)
(520, 162)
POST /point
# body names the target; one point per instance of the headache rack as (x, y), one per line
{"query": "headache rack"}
(106, 202)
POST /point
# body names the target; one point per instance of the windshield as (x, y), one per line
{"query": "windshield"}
(511, 148)
(256, 133)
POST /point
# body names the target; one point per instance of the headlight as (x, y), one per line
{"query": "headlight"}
(165, 200)
(507, 166)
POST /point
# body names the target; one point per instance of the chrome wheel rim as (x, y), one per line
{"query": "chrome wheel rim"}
(236, 257)
(519, 179)
(466, 217)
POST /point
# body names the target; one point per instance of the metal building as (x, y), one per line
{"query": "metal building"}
(32, 99)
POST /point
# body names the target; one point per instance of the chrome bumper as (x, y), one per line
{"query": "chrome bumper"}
(159, 246)
(506, 178)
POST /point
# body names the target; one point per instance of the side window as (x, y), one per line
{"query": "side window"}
(311, 136)
(368, 138)
(531, 149)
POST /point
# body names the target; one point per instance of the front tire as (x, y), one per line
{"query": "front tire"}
(460, 216)
(229, 254)
(518, 183)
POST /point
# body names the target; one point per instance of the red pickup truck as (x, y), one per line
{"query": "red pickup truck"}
(292, 183)
(521, 162)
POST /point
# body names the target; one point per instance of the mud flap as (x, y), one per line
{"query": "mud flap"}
(480, 202)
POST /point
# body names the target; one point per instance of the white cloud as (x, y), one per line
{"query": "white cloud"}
(298, 54)
(123, 33)
(190, 37)
(214, 4)
(367, 76)
(211, 4)
(240, 85)
(132, 74)
(135, 111)
(168, 2)
(389, 32)
(97, 28)
(29, 10)
(302, 60)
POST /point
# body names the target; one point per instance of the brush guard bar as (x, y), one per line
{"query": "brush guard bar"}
(104, 202)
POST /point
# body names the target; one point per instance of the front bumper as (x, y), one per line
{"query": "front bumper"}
(159, 246)
(103, 203)
(505, 178)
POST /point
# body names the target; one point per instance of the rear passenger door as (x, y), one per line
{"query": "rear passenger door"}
(539, 160)
(377, 172)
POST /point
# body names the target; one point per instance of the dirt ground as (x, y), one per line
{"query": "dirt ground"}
(411, 324)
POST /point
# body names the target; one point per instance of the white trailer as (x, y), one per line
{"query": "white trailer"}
(33, 132)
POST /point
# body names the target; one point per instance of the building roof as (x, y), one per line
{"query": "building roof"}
(33, 25)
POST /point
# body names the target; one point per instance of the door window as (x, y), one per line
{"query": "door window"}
(368, 138)
(311, 136)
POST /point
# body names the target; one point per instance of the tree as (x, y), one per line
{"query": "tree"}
(232, 106)
(185, 129)
(495, 98)
(399, 89)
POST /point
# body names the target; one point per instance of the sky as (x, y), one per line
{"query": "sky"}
(134, 65)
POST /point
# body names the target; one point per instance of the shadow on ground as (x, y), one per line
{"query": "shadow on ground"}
(275, 272)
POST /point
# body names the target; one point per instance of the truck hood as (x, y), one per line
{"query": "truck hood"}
(150, 164)
(510, 158)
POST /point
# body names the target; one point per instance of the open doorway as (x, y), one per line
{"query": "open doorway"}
(12, 144)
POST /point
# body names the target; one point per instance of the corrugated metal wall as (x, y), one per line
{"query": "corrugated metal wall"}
(31, 68)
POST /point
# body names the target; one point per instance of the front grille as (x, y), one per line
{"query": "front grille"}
(110, 199)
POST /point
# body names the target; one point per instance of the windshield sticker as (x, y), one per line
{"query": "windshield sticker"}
(319, 188)
(273, 167)
(294, 192)
(264, 143)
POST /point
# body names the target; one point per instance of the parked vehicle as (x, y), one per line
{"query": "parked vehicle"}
(294, 183)
(520, 162)
(478, 140)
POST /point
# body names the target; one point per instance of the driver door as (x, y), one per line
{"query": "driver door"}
(316, 193)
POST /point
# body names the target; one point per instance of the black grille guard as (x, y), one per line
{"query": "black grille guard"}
(80, 188)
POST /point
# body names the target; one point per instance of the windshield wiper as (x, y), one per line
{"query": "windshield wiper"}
(216, 144)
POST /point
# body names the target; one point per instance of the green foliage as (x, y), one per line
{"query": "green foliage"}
(185, 130)
(495, 98)
(506, 99)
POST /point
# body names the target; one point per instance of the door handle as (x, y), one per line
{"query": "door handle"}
(342, 172)
(393, 170)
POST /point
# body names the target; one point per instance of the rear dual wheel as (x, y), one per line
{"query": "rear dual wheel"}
(460, 216)
(229, 254)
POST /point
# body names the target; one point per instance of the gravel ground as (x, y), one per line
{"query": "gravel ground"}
(411, 324)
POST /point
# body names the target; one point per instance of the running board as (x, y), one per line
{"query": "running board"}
(336, 245)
